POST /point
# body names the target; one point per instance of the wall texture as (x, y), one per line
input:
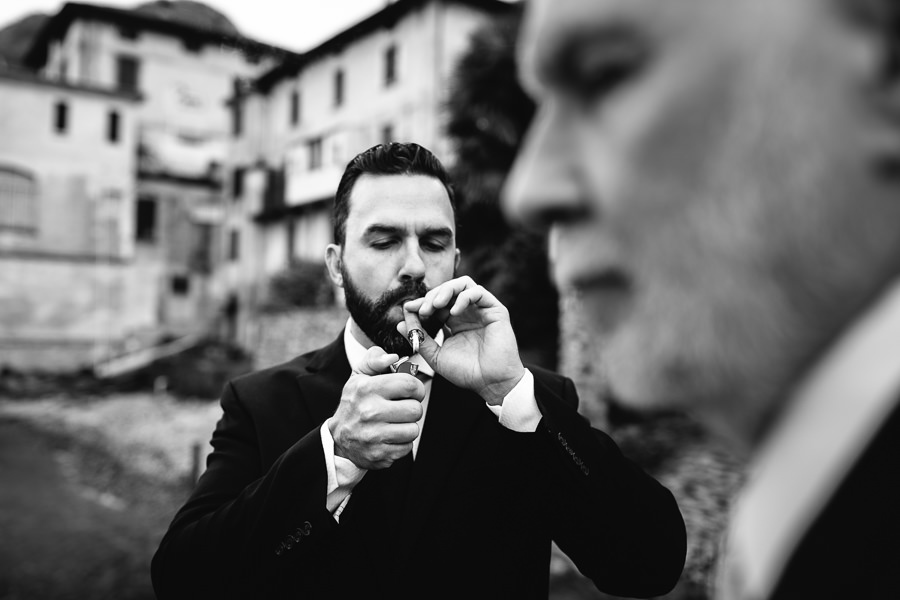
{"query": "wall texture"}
(277, 337)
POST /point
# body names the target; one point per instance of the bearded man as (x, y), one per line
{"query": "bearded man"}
(333, 476)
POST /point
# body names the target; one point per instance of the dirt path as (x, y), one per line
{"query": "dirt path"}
(62, 538)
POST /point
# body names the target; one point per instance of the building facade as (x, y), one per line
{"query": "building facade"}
(295, 128)
(226, 157)
(109, 246)
(66, 238)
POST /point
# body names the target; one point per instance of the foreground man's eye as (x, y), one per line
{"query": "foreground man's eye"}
(599, 68)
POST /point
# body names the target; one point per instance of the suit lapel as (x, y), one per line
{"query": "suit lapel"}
(323, 380)
(452, 415)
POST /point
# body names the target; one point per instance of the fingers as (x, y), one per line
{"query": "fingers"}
(391, 387)
(400, 434)
(454, 296)
(476, 296)
(376, 420)
(376, 361)
(400, 412)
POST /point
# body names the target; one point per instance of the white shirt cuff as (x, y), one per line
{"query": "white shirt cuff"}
(343, 475)
(519, 410)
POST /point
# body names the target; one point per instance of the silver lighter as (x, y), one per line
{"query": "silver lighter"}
(404, 365)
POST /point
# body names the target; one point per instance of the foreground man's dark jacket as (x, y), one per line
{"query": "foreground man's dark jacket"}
(482, 507)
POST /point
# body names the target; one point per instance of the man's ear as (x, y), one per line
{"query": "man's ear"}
(333, 259)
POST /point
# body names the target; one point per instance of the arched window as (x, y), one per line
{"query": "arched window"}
(18, 200)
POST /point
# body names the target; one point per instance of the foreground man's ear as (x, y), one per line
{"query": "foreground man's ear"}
(333, 261)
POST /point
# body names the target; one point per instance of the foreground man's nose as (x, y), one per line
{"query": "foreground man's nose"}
(542, 187)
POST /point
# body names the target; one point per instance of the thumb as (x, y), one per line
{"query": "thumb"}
(376, 362)
(428, 348)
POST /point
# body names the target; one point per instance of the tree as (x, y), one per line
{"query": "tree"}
(489, 114)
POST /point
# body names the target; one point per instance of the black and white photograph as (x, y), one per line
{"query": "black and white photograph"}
(450, 299)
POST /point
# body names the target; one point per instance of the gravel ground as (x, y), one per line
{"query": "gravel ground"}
(136, 452)
(150, 435)
(89, 486)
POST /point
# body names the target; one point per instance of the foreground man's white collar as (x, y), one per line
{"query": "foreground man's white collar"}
(827, 424)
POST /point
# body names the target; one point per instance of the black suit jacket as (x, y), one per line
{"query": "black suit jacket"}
(476, 521)
(852, 548)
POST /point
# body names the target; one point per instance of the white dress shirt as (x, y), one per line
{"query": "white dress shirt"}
(518, 411)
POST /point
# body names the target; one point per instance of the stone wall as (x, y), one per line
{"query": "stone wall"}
(276, 337)
(63, 315)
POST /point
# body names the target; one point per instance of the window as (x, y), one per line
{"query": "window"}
(387, 134)
(193, 44)
(390, 65)
(338, 87)
(295, 107)
(273, 193)
(60, 117)
(112, 126)
(145, 227)
(291, 240)
(237, 118)
(127, 72)
(128, 33)
(18, 200)
(314, 151)
(234, 245)
(181, 285)
(201, 257)
(237, 182)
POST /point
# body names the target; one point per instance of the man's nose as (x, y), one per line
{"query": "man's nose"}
(413, 267)
(543, 186)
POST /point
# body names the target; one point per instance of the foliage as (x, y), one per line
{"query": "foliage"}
(17, 37)
(489, 114)
(303, 283)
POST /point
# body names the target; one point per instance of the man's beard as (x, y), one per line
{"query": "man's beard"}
(373, 317)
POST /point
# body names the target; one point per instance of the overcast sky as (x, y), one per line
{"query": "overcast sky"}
(291, 24)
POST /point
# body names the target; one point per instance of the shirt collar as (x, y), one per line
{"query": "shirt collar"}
(827, 424)
(356, 352)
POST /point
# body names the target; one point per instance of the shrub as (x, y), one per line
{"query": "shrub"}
(303, 283)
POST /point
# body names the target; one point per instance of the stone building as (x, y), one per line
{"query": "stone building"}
(110, 245)
(385, 78)
(67, 157)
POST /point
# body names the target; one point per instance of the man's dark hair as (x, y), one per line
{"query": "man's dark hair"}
(394, 158)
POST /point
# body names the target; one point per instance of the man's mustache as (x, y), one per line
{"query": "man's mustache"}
(408, 290)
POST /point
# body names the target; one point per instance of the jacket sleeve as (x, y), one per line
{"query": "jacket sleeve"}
(620, 526)
(244, 523)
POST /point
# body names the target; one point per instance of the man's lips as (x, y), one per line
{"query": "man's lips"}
(607, 280)
(605, 296)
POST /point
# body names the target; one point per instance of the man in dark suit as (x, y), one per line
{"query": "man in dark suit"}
(333, 476)
(722, 181)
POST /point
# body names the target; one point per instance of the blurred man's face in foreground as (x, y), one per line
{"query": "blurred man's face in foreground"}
(710, 172)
